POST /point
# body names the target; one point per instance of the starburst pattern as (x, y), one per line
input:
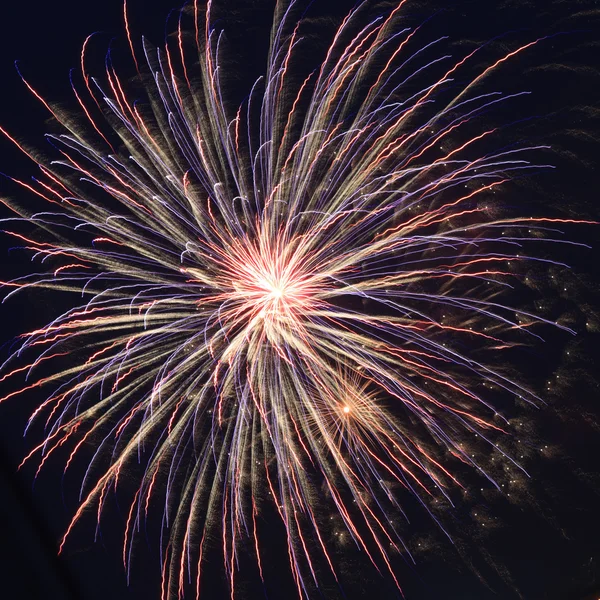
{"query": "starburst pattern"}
(298, 302)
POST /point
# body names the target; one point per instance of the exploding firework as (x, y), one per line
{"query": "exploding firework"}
(296, 304)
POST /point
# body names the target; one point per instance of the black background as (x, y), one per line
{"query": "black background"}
(551, 549)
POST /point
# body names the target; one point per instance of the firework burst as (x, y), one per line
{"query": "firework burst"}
(299, 302)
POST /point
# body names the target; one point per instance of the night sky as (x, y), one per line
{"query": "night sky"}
(546, 549)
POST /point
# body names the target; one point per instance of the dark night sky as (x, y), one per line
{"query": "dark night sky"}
(552, 548)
